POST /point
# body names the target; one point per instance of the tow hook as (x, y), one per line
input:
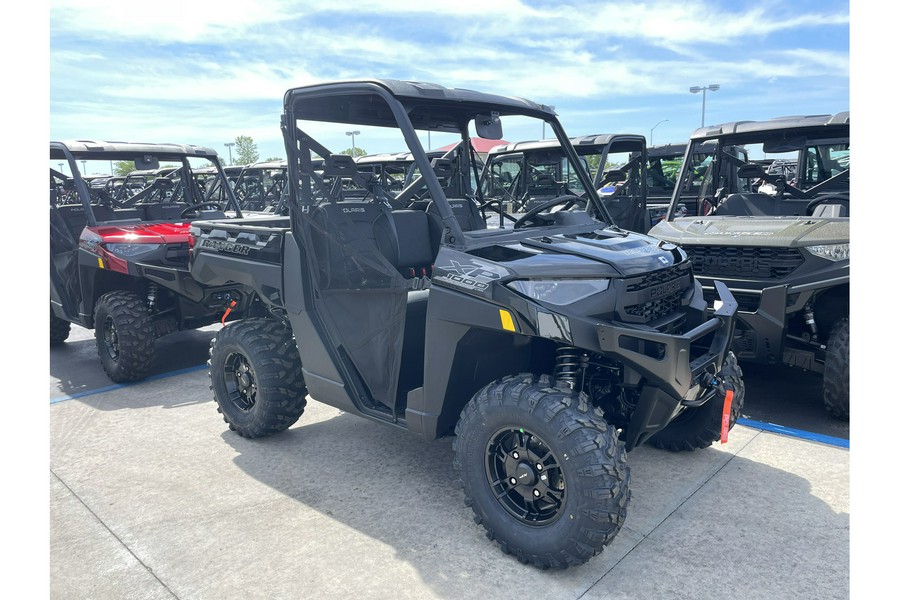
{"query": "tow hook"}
(231, 305)
(727, 391)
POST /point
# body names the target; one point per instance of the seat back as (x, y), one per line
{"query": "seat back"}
(74, 217)
(347, 239)
(164, 211)
(746, 204)
(466, 211)
(418, 240)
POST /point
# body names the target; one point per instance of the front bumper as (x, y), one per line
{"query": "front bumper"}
(662, 364)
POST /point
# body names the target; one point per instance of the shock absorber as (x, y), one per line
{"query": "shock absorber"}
(570, 367)
(810, 319)
(152, 291)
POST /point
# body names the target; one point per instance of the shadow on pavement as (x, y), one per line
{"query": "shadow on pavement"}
(75, 367)
(403, 492)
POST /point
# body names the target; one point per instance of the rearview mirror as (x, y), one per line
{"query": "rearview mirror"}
(792, 144)
(146, 163)
(751, 171)
(488, 126)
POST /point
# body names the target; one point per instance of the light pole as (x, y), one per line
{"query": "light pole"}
(654, 127)
(60, 167)
(352, 135)
(83, 167)
(713, 87)
(229, 145)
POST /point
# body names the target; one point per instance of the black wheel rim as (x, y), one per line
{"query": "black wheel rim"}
(111, 338)
(240, 382)
(525, 476)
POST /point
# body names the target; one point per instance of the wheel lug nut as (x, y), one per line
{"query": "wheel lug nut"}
(539, 467)
(512, 480)
(537, 493)
(515, 455)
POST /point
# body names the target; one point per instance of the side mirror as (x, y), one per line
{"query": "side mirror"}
(489, 126)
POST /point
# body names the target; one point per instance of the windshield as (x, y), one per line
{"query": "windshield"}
(771, 177)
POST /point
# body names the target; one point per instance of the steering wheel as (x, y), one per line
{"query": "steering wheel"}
(495, 205)
(568, 200)
(827, 199)
(194, 207)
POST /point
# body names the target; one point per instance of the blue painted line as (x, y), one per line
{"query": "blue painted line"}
(118, 386)
(797, 433)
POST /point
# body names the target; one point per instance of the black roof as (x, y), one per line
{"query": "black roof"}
(580, 143)
(104, 150)
(838, 120)
(429, 105)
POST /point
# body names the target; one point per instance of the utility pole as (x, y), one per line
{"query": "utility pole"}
(229, 145)
(713, 87)
(352, 135)
(654, 127)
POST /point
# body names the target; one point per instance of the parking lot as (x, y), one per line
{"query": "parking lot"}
(153, 497)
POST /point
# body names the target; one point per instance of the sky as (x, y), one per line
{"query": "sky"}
(203, 74)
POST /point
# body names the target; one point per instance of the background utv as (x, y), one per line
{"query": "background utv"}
(775, 228)
(119, 261)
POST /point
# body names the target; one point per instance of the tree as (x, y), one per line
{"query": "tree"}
(123, 167)
(245, 150)
(354, 152)
(274, 159)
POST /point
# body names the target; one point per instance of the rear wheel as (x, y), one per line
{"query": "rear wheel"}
(59, 329)
(699, 427)
(126, 342)
(255, 376)
(541, 469)
(836, 377)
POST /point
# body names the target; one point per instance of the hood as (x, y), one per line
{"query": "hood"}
(586, 255)
(780, 232)
(144, 233)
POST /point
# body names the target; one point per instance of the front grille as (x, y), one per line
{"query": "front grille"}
(656, 294)
(655, 309)
(744, 262)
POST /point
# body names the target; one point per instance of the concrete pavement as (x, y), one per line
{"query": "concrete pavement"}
(153, 497)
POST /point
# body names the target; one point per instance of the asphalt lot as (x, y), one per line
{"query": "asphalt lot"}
(152, 497)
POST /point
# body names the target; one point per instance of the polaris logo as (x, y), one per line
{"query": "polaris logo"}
(665, 289)
(220, 246)
(357, 209)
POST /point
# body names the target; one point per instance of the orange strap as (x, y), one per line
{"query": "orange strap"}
(228, 310)
(726, 416)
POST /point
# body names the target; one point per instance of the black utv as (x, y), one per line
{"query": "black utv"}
(119, 261)
(548, 349)
(525, 175)
(775, 227)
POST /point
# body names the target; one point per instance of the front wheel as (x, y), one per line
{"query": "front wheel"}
(541, 469)
(126, 342)
(836, 377)
(699, 427)
(255, 376)
(59, 329)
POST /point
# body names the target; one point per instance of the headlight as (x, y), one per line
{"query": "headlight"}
(559, 292)
(832, 251)
(131, 250)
